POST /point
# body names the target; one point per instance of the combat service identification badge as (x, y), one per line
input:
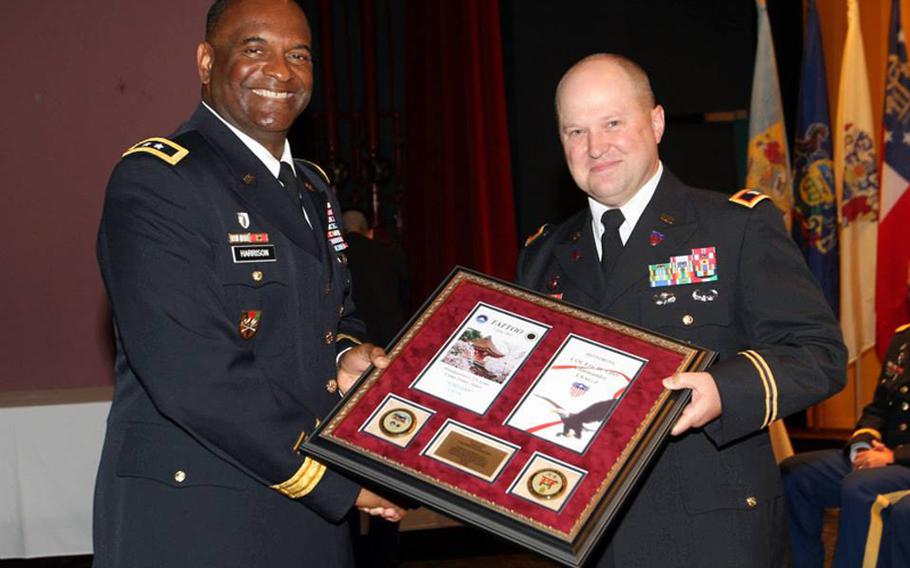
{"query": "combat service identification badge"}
(249, 323)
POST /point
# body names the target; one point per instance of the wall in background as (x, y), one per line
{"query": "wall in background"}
(82, 82)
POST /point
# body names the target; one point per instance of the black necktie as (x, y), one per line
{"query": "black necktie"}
(610, 243)
(292, 188)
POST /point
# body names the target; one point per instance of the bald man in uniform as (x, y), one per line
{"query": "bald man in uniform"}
(713, 496)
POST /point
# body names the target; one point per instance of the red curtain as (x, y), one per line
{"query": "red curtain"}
(458, 201)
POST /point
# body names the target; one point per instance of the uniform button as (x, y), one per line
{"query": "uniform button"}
(905, 406)
(257, 275)
(328, 288)
(179, 476)
(688, 319)
(331, 385)
(328, 337)
(341, 310)
(751, 502)
(903, 389)
(902, 427)
(308, 186)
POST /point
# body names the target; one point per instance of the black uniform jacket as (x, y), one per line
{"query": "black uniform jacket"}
(224, 351)
(887, 417)
(713, 496)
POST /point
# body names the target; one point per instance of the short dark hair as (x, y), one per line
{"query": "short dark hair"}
(213, 18)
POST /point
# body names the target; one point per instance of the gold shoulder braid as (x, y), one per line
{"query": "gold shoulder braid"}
(162, 148)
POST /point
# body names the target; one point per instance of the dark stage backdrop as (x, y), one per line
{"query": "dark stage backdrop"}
(458, 184)
(86, 79)
(699, 55)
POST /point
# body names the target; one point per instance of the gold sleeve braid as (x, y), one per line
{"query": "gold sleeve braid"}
(768, 382)
(304, 481)
(871, 431)
(161, 148)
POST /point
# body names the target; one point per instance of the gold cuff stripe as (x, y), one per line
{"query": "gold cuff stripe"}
(178, 152)
(300, 440)
(771, 381)
(872, 431)
(902, 328)
(874, 536)
(764, 381)
(304, 481)
(341, 336)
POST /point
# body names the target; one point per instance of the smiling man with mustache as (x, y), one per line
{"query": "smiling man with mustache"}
(230, 293)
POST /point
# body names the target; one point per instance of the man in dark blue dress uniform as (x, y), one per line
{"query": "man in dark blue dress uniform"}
(869, 480)
(719, 271)
(224, 264)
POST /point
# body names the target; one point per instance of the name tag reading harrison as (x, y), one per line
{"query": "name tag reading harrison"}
(253, 253)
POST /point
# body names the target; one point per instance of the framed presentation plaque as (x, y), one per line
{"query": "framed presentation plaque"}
(522, 415)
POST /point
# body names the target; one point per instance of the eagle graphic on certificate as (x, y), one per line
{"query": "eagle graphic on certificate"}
(576, 393)
(586, 419)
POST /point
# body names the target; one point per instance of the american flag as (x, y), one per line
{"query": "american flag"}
(894, 220)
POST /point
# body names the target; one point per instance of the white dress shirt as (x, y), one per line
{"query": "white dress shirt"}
(260, 151)
(632, 210)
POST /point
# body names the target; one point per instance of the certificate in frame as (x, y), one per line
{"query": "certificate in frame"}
(514, 412)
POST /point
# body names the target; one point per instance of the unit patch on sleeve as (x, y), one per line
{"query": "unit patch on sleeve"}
(162, 148)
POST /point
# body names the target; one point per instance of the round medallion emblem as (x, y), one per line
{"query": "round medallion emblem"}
(398, 422)
(547, 483)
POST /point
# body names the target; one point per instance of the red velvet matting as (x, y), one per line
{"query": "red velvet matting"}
(598, 460)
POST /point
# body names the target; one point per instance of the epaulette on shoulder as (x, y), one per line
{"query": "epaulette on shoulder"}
(748, 197)
(162, 148)
(540, 232)
(904, 327)
(315, 167)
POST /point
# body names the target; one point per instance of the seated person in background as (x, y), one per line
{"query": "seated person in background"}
(868, 479)
(378, 277)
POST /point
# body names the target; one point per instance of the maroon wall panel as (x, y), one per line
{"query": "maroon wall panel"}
(81, 82)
